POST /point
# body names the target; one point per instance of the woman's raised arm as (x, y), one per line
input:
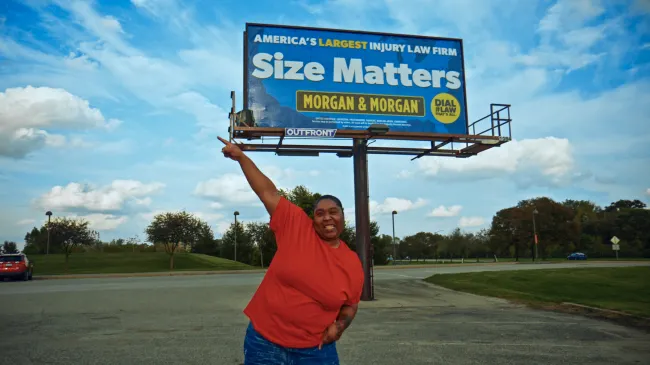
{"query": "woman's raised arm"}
(261, 185)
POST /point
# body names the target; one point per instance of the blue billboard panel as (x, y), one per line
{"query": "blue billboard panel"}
(334, 79)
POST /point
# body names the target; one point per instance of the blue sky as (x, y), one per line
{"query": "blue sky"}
(109, 110)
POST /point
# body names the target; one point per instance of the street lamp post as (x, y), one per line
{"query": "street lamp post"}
(235, 232)
(394, 247)
(535, 212)
(49, 215)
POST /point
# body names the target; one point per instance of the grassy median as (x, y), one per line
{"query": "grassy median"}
(138, 262)
(625, 289)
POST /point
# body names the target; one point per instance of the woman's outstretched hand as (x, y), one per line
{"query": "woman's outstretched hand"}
(231, 150)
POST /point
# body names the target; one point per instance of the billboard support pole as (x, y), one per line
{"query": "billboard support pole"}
(362, 212)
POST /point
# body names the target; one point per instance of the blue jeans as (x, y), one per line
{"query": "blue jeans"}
(260, 351)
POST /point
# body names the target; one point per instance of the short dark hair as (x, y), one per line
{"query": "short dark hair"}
(336, 201)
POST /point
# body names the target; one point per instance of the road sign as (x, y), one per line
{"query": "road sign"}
(616, 247)
(615, 240)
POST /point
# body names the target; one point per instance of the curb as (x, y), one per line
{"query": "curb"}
(424, 266)
(223, 272)
(146, 274)
(603, 310)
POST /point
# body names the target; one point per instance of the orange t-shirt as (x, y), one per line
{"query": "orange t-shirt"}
(306, 285)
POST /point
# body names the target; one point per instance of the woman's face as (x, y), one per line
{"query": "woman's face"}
(328, 220)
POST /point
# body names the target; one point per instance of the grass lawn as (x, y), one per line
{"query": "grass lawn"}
(126, 262)
(625, 289)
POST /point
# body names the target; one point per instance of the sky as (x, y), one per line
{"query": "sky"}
(109, 110)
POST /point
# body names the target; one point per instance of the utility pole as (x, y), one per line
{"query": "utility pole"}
(394, 247)
(535, 212)
(235, 232)
(49, 215)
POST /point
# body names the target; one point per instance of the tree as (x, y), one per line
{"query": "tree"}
(245, 247)
(506, 236)
(479, 244)
(554, 225)
(9, 247)
(264, 238)
(349, 236)
(36, 242)
(382, 248)
(632, 227)
(69, 233)
(172, 229)
(421, 245)
(625, 204)
(302, 197)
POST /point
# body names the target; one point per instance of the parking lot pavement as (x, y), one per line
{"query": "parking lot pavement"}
(198, 320)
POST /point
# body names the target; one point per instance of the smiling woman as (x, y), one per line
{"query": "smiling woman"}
(311, 291)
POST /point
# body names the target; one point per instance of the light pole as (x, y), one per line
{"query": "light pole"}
(394, 247)
(535, 212)
(49, 215)
(235, 232)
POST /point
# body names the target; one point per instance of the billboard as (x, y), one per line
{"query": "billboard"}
(310, 78)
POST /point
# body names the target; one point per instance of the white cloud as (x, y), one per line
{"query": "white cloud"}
(210, 218)
(148, 216)
(104, 222)
(442, 211)
(647, 192)
(529, 161)
(232, 188)
(112, 24)
(216, 205)
(468, 222)
(398, 204)
(107, 198)
(25, 222)
(404, 174)
(105, 27)
(168, 83)
(211, 118)
(145, 201)
(569, 14)
(572, 36)
(222, 227)
(27, 113)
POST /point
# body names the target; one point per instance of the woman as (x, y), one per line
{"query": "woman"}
(311, 291)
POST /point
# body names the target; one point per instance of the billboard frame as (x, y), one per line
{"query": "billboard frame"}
(495, 134)
(352, 31)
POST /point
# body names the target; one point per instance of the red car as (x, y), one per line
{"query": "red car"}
(16, 266)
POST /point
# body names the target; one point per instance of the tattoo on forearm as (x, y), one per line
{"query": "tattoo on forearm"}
(345, 318)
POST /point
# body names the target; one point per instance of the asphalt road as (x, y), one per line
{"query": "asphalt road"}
(198, 320)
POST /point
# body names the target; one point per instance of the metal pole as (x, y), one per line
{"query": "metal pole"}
(47, 249)
(361, 201)
(235, 232)
(394, 248)
(535, 237)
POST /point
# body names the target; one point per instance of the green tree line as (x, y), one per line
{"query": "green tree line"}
(561, 227)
